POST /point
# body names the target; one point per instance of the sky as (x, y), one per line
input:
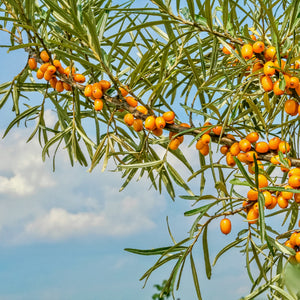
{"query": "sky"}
(63, 233)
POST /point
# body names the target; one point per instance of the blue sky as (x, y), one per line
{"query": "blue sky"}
(62, 234)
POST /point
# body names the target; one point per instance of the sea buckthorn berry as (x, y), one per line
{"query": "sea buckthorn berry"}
(160, 122)
(252, 137)
(39, 74)
(51, 69)
(185, 125)
(48, 75)
(53, 82)
(98, 104)
(123, 92)
(157, 131)
(169, 116)
(266, 83)
(88, 90)
(79, 78)
(217, 130)
(129, 119)
(262, 147)
(137, 125)
(224, 149)
(174, 144)
(44, 56)
(257, 66)
(131, 101)
(245, 145)
(230, 160)
(150, 123)
(287, 79)
(97, 92)
(294, 181)
(252, 216)
(245, 203)
(142, 109)
(294, 171)
(105, 85)
(59, 86)
(256, 207)
(67, 86)
(293, 238)
(291, 107)
(200, 144)
(282, 202)
(180, 137)
(56, 63)
(205, 138)
(44, 67)
(294, 82)
(247, 51)
(235, 149)
(274, 203)
(253, 37)
(227, 51)
(270, 53)
(258, 47)
(287, 195)
(204, 150)
(250, 155)
(68, 71)
(262, 181)
(60, 69)
(288, 244)
(205, 127)
(269, 69)
(274, 143)
(276, 89)
(268, 198)
(225, 226)
(32, 63)
(252, 195)
(276, 64)
(242, 157)
(284, 147)
(251, 166)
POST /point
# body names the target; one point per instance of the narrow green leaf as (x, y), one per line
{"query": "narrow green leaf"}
(206, 253)
(195, 277)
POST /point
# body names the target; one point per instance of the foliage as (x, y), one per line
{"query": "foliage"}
(168, 56)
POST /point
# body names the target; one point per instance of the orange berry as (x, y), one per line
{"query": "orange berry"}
(253, 37)
(252, 195)
(51, 69)
(287, 81)
(200, 144)
(169, 116)
(98, 104)
(268, 198)
(245, 145)
(289, 244)
(247, 51)
(56, 63)
(230, 160)
(297, 257)
(294, 82)
(157, 131)
(185, 125)
(205, 127)
(262, 181)
(252, 216)
(291, 107)
(294, 181)
(48, 75)
(224, 149)
(297, 239)
(284, 147)
(150, 123)
(217, 130)
(270, 53)
(68, 71)
(242, 157)
(105, 85)
(160, 122)
(96, 92)
(137, 125)
(124, 93)
(129, 119)
(274, 203)
(227, 51)
(257, 66)
(282, 202)
(225, 226)
(32, 63)
(204, 150)
(250, 155)
(258, 47)
(174, 144)
(276, 89)
(59, 86)
(79, 78)
(252, 137)
(142, 109)
(267, 83)
(269, 68)
(53, 82)
(44, 67)
(287, 195)
(67, 86)
(44, 56)
(294, 171)
(274, 143)
(205, 138)
(88, 90)
(131, 101)
(293, 238)
(60, 69)
(262, 147)
(235, 149)
(276, 64)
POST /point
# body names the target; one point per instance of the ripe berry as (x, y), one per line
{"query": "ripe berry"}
(32, 63)
(98, 104)
(225, 226)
